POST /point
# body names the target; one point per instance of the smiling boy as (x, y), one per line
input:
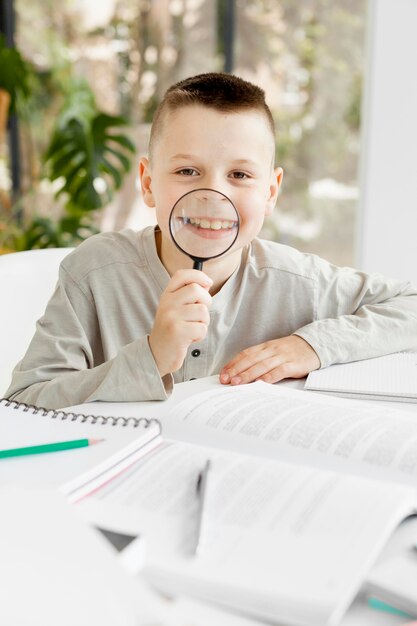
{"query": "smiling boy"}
(130, 316)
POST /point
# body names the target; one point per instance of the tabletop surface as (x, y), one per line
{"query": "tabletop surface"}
(188, 612)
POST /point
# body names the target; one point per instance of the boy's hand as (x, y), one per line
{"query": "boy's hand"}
(288, 357)
(182, 318)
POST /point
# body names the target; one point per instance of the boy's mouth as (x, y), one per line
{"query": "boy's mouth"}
(210, 224)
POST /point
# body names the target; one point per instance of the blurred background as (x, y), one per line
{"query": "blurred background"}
(79, 88)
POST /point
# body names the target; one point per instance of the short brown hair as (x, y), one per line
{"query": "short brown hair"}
(221, 91)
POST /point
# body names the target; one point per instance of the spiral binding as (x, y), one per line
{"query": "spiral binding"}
(83, 418)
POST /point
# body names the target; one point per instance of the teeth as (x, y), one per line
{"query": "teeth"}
(213, 225)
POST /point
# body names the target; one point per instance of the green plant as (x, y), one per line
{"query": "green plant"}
(87, 153)
(87, 158)
(44, 232)
(15, 74)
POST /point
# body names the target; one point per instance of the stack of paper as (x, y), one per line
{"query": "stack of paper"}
(390, 377)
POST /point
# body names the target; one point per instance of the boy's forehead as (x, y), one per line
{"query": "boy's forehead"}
(189, 122)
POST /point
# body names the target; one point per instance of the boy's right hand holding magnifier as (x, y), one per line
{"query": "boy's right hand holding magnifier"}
(182, 318)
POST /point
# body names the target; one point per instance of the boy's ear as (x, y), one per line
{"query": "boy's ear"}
(146, 182)
(275, 184)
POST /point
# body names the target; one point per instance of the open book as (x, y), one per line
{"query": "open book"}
(305, 492)
(390, 377)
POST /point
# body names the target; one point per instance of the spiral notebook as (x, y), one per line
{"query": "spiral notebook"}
(76, 472)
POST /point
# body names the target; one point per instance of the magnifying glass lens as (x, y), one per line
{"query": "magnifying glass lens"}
(204, 224)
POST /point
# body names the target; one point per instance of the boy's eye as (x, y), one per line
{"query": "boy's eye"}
(187, 171)
(239, 175)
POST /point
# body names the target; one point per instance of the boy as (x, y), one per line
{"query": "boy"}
(130, 316)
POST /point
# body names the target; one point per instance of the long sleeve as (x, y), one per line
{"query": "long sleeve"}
(358, 316)
(60, 369)
(92, 341)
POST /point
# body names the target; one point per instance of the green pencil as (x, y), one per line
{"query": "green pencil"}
(49, 447)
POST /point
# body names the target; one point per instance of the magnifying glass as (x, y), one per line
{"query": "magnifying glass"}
(204, 224)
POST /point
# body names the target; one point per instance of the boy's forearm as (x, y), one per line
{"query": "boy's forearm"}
(130, 376)
(360, 315)
(372, 331)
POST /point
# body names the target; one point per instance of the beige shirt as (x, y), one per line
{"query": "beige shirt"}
(92, 342)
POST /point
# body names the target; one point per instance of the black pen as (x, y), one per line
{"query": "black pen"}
(202, 483)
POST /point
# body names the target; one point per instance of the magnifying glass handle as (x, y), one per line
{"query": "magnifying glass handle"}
(198, 264)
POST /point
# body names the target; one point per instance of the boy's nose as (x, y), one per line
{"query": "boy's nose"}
(211, 201)
(212, 195)
(214, 180)
(209, 186)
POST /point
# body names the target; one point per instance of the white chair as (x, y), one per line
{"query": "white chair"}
(27, 281)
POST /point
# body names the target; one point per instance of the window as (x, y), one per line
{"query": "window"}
(308, 56)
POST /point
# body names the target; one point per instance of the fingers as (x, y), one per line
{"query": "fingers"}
(267, 371)
(245, 359)
(272, 361)
(190, 294)
(182, 318)
(188, 287)
(250, 365)
(181, 278)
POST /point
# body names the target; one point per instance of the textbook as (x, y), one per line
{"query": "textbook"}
(304, 492)
(391, 377)
(77, 472)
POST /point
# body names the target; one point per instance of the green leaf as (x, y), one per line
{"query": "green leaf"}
(107, 167)
(86, 197)
(122, 158)
(123, 141)
(85, 146)
(15, 74)
(103, 121)
(66, 162)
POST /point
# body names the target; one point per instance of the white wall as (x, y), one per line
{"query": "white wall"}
(387, 221)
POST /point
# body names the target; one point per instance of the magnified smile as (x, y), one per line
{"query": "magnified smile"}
(204, 224)
(212, 224)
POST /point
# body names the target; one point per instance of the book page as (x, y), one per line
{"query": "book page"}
(297, 426)
(287, 543)
(392, 375)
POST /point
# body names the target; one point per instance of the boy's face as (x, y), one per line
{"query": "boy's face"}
(230, 152)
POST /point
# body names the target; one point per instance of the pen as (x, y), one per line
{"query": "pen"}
(48, 447)
(202, 484)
